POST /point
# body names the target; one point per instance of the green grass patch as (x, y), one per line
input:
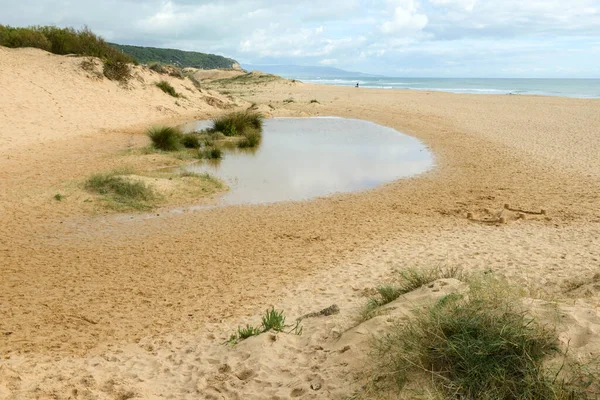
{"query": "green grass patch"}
(167, 88)
(165, 138)
(120, 191)
(480, 345)
(250, 139)
(210, 153)
(314, 101)
(191, 141)
(238, 123)
(407, 281)
(272, 320)
(58, 197)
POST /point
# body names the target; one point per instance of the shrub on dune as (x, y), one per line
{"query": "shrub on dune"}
(165, 138)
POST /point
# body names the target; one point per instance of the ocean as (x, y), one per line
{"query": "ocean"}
(580, 88)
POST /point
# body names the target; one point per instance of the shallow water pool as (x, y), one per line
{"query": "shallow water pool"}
(304, 158)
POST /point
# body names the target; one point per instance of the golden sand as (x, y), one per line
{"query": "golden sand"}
(110, 305)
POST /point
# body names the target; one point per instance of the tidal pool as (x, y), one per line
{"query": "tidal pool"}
(304, 158)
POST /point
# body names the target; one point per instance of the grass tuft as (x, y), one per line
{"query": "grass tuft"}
(238, 123)
(251, 138)
(167, 88)
(273, 320)
(409, 280)
(481, 345)
(58, 197)
(191, 141)
(125, 192)
(165, 138)
(211, 153)
(248, 331)
(314, 101)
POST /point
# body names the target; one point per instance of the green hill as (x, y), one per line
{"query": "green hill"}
(146, 55)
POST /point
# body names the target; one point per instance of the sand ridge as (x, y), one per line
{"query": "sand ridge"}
(76, 285)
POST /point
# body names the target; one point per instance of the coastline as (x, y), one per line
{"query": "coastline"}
(581, 88)
(65, 267)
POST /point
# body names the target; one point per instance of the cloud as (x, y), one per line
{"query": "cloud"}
(437, 37)
(406, 19)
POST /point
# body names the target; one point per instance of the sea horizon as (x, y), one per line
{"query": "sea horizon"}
(558, 87)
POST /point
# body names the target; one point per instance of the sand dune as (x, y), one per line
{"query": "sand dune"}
(108, 305)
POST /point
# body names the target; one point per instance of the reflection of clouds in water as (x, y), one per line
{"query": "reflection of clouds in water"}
(305, 158)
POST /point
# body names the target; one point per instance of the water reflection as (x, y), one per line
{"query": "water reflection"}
(303, 158)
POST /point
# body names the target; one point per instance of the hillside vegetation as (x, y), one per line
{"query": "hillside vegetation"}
(62, 41)
(180, 58)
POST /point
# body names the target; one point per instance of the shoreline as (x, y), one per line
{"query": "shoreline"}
(459, 91)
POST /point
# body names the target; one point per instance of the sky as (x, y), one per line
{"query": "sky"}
(408, 38)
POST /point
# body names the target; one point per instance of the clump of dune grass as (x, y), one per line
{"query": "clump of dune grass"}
(167, 88)
(314, 101)
(407, 281)
(191, 141)
(210, 153)
(165, 138)
(272, 320)
(288, 101)
(478, 345)
(238, 123)
(250, 139)
(121, 191)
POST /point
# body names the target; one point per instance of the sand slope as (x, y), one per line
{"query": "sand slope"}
(120, 305)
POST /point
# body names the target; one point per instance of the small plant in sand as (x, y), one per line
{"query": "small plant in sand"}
(272, 320)
(478, 345)
(165, 138)
(167, 88)
(314, 101)
(288, 101)
(58, 197)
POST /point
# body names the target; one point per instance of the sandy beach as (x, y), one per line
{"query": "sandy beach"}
(97, 304)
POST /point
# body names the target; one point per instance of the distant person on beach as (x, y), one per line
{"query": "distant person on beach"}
(356, 84)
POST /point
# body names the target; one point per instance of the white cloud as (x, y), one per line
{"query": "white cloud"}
(466, 5)
(406, 19)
